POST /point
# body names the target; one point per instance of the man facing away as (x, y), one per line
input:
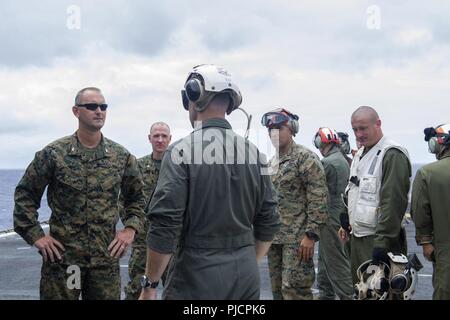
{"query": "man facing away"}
(214, 208)
(431, 209)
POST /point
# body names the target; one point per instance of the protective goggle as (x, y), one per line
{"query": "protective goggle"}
(273, 119)
(277, 119)
(94, 106)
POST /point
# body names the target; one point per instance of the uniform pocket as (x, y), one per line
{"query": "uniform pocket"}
(367, 190)
(68, 194)
(69, 179)
(366, 215)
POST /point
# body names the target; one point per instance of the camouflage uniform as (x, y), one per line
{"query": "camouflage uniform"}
(302, 205)
(83, 190)
(136, 265)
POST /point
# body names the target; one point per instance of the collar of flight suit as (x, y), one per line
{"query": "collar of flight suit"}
(214, 122)
(332, 151)
(76, 151)
(446, 154)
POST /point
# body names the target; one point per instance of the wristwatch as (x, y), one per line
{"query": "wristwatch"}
(311, 235)
(147, 283)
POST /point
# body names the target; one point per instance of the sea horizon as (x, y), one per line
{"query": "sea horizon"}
(10, 177)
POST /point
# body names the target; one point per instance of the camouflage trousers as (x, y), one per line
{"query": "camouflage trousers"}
(290, 278)
(63, 282)
(334, 275)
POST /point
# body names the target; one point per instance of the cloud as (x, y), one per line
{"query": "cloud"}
(315, 58)
(35, 33)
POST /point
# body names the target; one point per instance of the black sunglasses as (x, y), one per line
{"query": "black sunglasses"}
(93, 106)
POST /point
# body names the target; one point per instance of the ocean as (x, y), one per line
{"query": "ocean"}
(8, 182)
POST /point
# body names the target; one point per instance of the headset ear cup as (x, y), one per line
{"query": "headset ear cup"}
(432, 145)
(294, 124)
(194, 90)
(317, 141)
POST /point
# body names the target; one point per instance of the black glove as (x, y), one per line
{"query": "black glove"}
(345, 221)
(380, 255)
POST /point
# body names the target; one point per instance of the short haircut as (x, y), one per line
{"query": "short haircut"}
(366, 110)
(159, 123)
(221, 99)
(82, 91)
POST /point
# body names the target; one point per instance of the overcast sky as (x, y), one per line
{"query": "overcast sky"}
(319, 59)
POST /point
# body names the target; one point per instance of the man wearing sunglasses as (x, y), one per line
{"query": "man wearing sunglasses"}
(84, 174)
(215, 218)
(299, 178)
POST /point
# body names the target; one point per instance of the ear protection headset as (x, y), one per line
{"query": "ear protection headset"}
(324, 136)
(345, 144)
(204, 82)
(437, 137)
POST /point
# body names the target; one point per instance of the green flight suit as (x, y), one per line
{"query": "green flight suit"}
(431, 214)
(212, 200)
(334, 275)
(83, 191)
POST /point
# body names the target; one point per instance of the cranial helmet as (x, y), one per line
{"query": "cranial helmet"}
(345, 144)
(280, 117)
(204, 82)
(379, 281)
(437, 136)
(324, 136)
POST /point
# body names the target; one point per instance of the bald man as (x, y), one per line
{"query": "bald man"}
(377, 193)
(149, 165)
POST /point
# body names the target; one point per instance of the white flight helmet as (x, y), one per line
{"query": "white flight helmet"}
(204, 82)
(436, 137)
(379, 281)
